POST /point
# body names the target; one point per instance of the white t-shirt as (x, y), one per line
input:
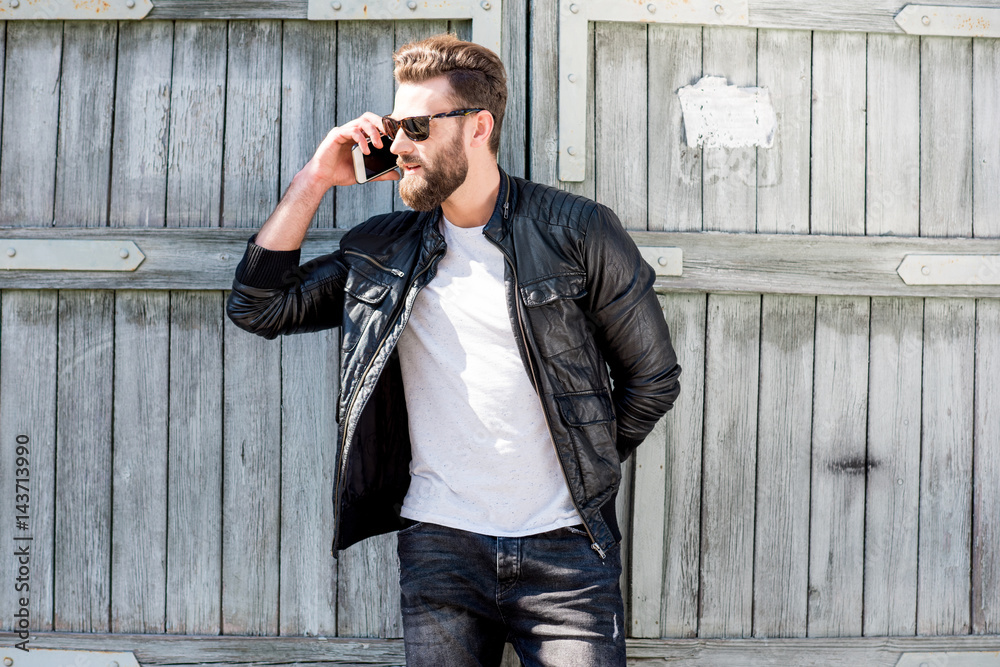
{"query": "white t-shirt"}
(482, 456)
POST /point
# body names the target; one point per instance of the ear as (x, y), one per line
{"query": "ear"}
(482, 129)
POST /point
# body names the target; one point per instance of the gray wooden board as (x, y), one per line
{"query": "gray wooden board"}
(83, 477)
(944, 558)
(308, 100)
(986, 474)
(364, 83)
(197, 112)
(253, 107)
(781, 533)
(30, 121)
(680, 549)
(732, 351)
(986, 137)
(139, 462)
(28, 408)
(86, 108)
(368, 589)
(171, 651)
(836, 548)
(309, 370)
(514, 53)
(892, 202)
(893, 466)
(141, 124)
(251, 482)
(194, 529)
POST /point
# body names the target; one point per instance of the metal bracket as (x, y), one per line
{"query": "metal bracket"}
(665, 261)
(949, 21)
(13, 10)
(46, 657)
(69, 255)
(573, 18)
(485, 14)
(950, 659)
(950, 270)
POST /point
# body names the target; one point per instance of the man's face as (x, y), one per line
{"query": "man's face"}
(434, 168)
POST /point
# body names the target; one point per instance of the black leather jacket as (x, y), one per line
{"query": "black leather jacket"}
(581, 304)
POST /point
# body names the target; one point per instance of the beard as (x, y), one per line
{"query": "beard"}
(426, 191)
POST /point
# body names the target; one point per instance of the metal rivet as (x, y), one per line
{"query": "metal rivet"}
(123, 253)
(14, 3)
(485, 5)
(926, 270)
(223, 257)
(573, 8)
(651, 8)
(130, 4)
(899, 481)
(9, 661)
(926, 20)
(113, 663)
(336, 6)
(570, 150)
(10, 253)
(571, 77)
(662, 261)
(411, 4)
(719, 9)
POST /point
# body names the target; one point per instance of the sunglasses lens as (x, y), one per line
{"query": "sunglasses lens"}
(417, 128)
(391, 127)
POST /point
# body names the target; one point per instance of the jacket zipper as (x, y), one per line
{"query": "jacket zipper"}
(369, 258)
(349, 431)
(534, 381)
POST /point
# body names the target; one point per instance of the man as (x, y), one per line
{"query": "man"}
(492, 441)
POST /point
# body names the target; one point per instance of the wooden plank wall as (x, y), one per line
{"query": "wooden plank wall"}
(831, 466)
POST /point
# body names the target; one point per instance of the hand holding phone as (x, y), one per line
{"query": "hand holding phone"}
(377, 162)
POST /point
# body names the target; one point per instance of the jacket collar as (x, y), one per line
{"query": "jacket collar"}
(497, 227)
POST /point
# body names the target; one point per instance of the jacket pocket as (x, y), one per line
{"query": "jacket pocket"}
(589, 420)
(546, 290)
(557, 321)
(585, 408)
(363, 297)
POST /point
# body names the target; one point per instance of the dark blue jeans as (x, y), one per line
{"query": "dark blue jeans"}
(464, 595)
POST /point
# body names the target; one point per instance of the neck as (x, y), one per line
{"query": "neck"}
(472, 204)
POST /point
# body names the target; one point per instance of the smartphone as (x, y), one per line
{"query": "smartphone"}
(376, 163)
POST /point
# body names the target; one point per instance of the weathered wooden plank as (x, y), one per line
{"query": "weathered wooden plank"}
(836, 549)
(195, 463)
(30, 121)
(253, 109)
(680, 550)
(674, 193)
(986, 475)
(364, 83)
(367, 598)
(309, 371)
(892, 176)
(308, 100)
(943, 579)
(836, 540)
(139, 462)
(893, 450)
(86, 105)
(197, 110)
(404, 33)
(781, 534)
(893, 467)
(985, 137)
(141, 125)
(514, 53)
(171, 651)
(786, 359)
(943, 576)
(28, 416)
(729, 175)
(732, 352)
(229, 9)
(251, 463)
(83, 454)
(713, 262)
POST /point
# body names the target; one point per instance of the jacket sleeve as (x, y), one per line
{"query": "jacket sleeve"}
(273, 295)
(629, 328)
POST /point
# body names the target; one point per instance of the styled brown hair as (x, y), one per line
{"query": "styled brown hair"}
(476, 74)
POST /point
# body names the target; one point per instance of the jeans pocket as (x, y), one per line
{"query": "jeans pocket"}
(411, 528)
(578, 530)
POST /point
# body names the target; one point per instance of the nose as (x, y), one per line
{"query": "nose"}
(401, 144)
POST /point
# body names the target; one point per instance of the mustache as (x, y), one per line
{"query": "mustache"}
(400, 162)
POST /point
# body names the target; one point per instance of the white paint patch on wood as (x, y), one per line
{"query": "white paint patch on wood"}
(722, 115)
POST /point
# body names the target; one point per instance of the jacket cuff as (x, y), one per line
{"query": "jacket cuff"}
(266, 269)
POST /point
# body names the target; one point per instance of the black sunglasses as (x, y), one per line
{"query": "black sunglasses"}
(418, 128)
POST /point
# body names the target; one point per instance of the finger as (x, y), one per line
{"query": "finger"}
(372, 131)
(362, 140)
